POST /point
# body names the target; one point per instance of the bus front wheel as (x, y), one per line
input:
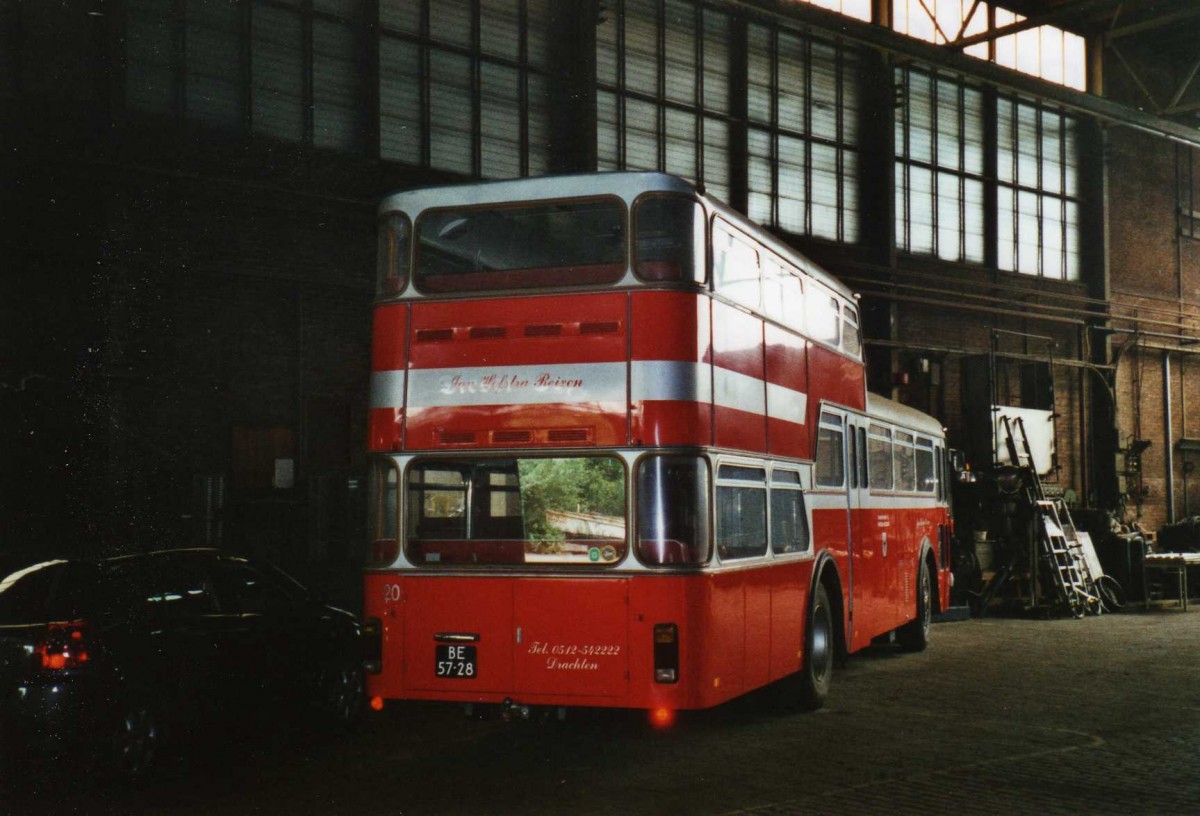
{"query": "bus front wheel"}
(816, 674)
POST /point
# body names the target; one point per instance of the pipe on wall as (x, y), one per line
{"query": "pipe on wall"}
(1169, 442)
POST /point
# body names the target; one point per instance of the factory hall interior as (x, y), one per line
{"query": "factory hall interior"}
(1010, 188)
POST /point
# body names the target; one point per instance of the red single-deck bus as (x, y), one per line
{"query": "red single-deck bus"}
(624, 455)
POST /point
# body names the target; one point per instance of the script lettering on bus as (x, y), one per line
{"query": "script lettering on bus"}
(572, 656)
(491, 383)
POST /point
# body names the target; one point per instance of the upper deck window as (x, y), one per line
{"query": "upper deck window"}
(670, 239)
(735, 268)
(521, 246)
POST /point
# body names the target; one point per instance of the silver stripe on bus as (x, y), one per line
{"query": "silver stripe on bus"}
(387, 389)
(734, 390)
(786, 403)
(516, 385)
(586, 382)
(670, 380)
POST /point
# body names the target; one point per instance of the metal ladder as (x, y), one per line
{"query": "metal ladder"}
(1058, 540)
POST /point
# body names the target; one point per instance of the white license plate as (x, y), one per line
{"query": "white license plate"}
(456, 662)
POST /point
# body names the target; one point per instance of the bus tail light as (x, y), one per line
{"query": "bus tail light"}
(666, 653)
(62, 647)
(372, 645)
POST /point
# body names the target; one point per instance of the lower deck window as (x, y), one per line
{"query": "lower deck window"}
(741, 512)
(548, 511)
(672, 502)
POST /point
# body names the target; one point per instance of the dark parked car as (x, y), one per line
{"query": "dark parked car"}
(107, 657)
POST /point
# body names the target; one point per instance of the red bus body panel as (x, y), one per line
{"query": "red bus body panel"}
(583, 640)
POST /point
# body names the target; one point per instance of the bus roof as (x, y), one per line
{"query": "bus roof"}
(891, 411)
(626, 185)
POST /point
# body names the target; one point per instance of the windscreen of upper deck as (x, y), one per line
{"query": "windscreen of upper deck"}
(577, 242)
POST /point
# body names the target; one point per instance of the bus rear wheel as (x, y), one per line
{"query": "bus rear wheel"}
(816, 674)
(914, 635)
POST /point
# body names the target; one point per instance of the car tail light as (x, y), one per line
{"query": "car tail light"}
(666, 653)
(63, 646)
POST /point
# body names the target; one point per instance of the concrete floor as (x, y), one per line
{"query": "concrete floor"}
(1097, 716)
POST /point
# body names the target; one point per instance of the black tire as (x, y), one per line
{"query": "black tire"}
(340, 694)
(816, 675)
(1111, 593)
(131, 748)
(914, 635)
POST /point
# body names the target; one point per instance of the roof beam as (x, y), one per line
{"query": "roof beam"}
(1159, 21)
(1066, 11)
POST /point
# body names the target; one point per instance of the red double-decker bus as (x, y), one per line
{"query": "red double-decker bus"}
(623, 455)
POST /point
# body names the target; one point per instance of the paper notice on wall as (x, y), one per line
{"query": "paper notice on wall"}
(285, 474)
(1038, 427)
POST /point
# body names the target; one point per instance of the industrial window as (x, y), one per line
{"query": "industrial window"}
(940, 148)
(662, 101)
(289, 71)
(463, 86)
(1037, 194)
(803, 99)
(1046, 51)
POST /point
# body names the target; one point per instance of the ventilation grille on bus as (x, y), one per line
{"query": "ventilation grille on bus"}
(519, 436)
(456, 437)
(487, 332)
(569, 435)
(531, 330)
(609, 327)
(434, 335)
(512, 437)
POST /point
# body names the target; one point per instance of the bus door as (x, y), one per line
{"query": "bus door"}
(831, 499)
(860, 583)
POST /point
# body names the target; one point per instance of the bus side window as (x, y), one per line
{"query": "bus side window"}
(926, 481)
(391, 274)
(824, 320)
(879, 455)
(672, 510)
(831, 454)
(735, 268)
(853, 456)
(670, 239)
(851, 335)
(906, 470)
(789, 523)
(741, 511)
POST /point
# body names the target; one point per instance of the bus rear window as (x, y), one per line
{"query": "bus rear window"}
(527, 511)
(510, 246)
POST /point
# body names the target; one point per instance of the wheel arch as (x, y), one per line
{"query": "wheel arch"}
(825, 572)
(928, 557)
